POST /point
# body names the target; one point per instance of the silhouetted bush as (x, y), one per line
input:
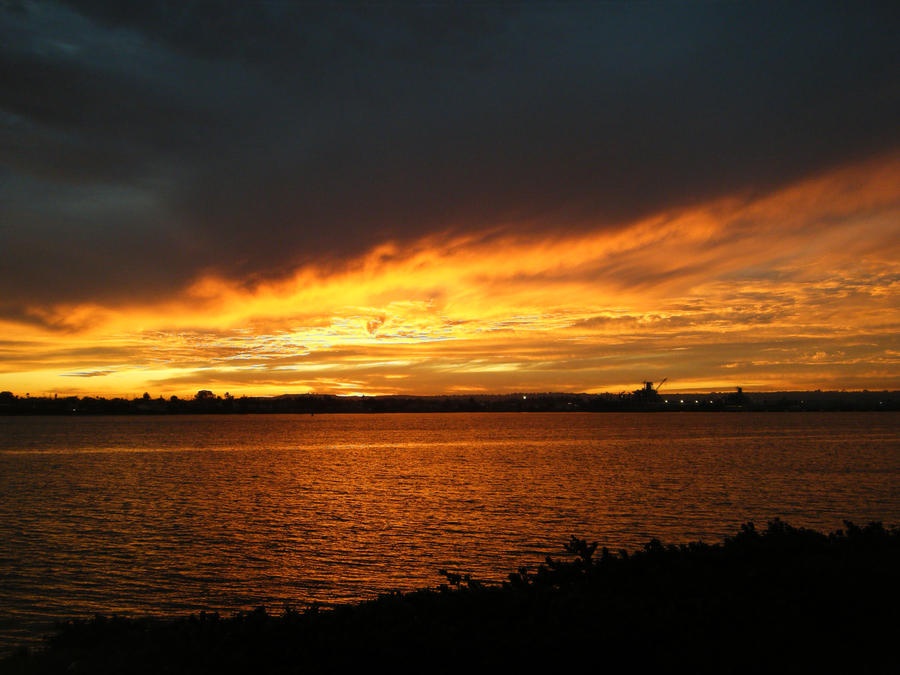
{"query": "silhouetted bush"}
(778, 600)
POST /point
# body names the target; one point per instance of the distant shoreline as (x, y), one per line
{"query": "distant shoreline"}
(642, 400)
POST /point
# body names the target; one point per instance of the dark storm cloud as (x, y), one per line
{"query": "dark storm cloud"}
(143, 142)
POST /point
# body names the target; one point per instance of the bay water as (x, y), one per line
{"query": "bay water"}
(172, 515)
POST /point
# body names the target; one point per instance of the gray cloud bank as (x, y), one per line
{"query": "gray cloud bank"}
(144, 142)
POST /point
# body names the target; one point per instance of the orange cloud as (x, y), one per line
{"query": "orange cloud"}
(793, 289)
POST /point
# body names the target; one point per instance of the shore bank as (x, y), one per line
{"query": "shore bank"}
(764, 600)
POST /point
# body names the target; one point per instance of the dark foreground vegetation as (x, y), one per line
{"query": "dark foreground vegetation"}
(783, 599)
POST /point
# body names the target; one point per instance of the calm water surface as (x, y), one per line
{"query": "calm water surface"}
(173, 515)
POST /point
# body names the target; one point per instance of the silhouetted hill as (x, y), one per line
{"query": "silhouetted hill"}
(774, 601)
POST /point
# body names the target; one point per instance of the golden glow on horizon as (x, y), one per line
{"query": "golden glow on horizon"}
(793, 290)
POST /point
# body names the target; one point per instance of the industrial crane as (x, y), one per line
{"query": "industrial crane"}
(648, 385)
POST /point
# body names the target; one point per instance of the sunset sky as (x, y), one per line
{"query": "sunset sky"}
(373, 198)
